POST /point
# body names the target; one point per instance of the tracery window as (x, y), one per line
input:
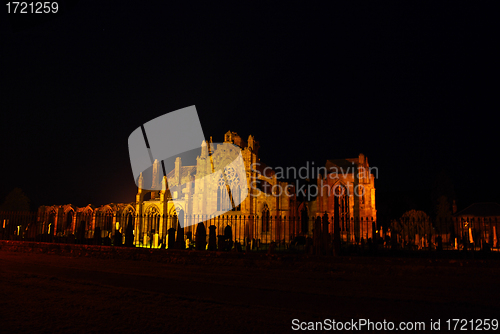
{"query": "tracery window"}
(229, 191)
(152, 219)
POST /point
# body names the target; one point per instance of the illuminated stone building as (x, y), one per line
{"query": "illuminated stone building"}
(269, 211)
(346, 191)
(478, 225)
(189, 193)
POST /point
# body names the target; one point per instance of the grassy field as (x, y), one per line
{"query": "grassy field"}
(55, 293)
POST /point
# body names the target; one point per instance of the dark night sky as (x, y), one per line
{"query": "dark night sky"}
(411, 87)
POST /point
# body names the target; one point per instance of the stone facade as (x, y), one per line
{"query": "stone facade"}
(346, 192)
(188, 192)
(270, 212)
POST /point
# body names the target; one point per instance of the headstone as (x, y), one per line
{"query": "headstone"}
(221, 243)
(180, 243)
(171, 238)
(97, 236)
(129, 235)
(228, 232)
(228, 236)
(118, 238)
(212, 238)
(439, 241)
(201, 237)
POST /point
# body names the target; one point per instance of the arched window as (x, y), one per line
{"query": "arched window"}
(236, 198)
(223, 200)
(153, 219)
(51, 221)
(69, 220)
(229, 193)
(128, 221)
(265, 218)
(341, 205)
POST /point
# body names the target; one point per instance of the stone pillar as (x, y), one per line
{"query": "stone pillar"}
(93, 224)
(495, 240)
(73, 223)
(138, 216)
(56, 218)
(113, 227)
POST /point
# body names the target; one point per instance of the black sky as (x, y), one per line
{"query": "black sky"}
(411, 86)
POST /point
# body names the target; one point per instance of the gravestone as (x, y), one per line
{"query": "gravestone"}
(201, 237)
(439, 241)
(171, 238)
(221, 243)
(129, 236)
(180, 243)
(97, 236)
(212, 239)
(228, 236)
(118, 238)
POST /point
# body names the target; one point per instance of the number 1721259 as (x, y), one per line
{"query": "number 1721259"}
(32, 7)
(473, 324)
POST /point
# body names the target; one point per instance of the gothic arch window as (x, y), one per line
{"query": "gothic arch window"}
(236, 197)
(51, 222)
(341, 205)
(108, 221)
(69, 220)
(152, 219)
(128, 219)
(228, 191)
(265, 218)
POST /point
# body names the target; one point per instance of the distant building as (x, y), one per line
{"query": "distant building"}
(347, 193)
(478, 224)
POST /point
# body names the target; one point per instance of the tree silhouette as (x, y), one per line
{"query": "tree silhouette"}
(411, 223)
(16, 200)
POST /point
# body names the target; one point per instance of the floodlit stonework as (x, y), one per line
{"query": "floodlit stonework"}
(271, 210)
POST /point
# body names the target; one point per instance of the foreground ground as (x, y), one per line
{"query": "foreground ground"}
(55, 293)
